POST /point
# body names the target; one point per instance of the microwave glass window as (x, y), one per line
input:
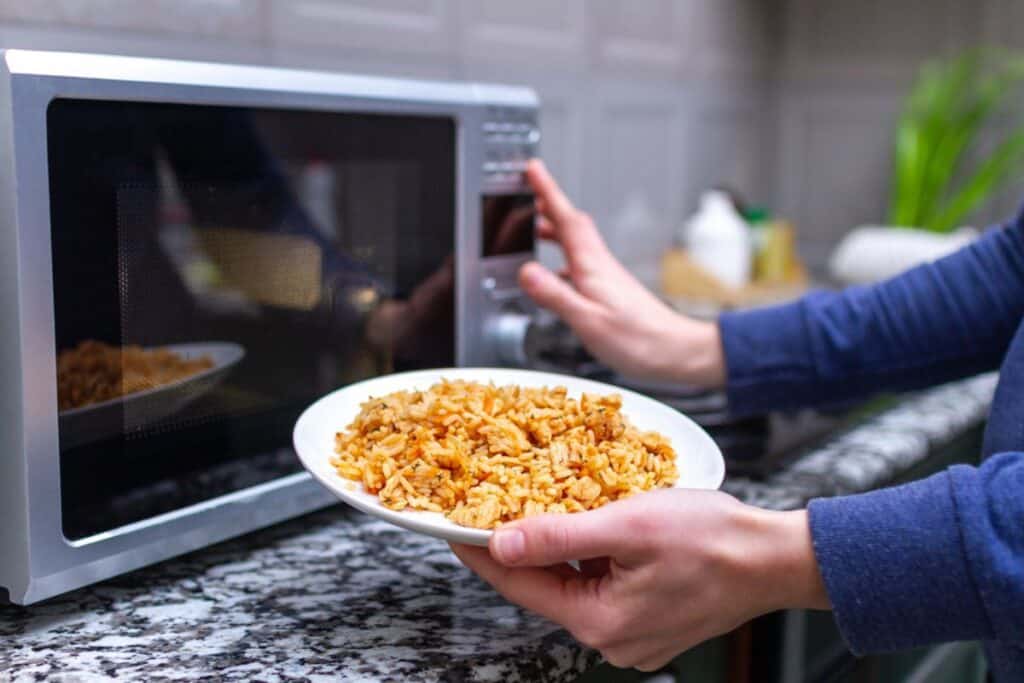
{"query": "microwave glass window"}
(216, 270)
(508, 224)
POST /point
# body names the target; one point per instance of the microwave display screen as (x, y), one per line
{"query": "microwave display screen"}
(508, 224)
(217, 269)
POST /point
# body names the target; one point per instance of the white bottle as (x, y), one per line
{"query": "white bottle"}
(718, 239)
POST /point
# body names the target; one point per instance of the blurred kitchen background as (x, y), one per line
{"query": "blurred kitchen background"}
(791, 103)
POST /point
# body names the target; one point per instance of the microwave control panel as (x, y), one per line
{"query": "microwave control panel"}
(511, 138)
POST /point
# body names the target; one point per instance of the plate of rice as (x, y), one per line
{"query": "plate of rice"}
(454, 453)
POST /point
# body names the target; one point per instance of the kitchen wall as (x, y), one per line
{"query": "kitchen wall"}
(645, 103)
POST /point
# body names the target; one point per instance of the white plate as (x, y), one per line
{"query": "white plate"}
(134, 411)
(699, 461)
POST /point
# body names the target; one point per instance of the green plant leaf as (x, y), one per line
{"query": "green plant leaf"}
(917, 131)
(949, 107)
(1005, 164)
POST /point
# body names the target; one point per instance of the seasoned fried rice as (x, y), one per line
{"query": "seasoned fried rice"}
(93, 371)
(484, 455)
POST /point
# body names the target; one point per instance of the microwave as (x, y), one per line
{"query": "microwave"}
(191, 253)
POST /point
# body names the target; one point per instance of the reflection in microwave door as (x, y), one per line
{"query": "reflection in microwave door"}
(132, 412)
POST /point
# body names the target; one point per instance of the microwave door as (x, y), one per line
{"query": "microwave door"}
(218, 268)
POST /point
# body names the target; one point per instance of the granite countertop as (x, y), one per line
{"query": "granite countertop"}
(337, 595)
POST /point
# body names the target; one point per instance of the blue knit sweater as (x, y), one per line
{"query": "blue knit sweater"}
(939, 559)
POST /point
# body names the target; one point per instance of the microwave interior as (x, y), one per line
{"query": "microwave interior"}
(215, 270)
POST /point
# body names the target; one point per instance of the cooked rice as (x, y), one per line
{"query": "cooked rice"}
(93, 371)
(484, 455)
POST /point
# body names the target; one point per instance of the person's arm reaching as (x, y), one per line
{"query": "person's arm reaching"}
(934, 323)
(937, 322)
(618, 320)
(935, 560)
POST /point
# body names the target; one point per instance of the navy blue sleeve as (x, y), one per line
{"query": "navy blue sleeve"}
(937, 560)
(934, 323)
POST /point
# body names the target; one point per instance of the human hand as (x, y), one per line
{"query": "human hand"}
(616, 317)
(659, 572)
(399, 326)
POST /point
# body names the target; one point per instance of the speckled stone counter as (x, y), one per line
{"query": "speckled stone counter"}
(332, 596)
(338, 596)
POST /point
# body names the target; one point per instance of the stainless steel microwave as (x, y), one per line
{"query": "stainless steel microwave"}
(190, 253)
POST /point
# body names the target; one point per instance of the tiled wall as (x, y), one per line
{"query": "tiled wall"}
(645, 102)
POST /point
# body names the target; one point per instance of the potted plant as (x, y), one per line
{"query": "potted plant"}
(943, 168)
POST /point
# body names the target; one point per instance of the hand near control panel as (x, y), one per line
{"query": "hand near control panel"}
(617, 319)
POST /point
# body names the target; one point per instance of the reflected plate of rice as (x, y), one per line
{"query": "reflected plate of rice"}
(454, 453)
(104, 391)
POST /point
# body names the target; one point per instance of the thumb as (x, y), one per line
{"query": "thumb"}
(555, 294)
(551, 539)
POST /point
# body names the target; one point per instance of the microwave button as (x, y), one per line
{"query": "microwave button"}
(510, 293)
(507, 138)
(517, 166)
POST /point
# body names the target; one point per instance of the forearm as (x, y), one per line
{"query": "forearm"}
(934, 323)
(936, 560)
